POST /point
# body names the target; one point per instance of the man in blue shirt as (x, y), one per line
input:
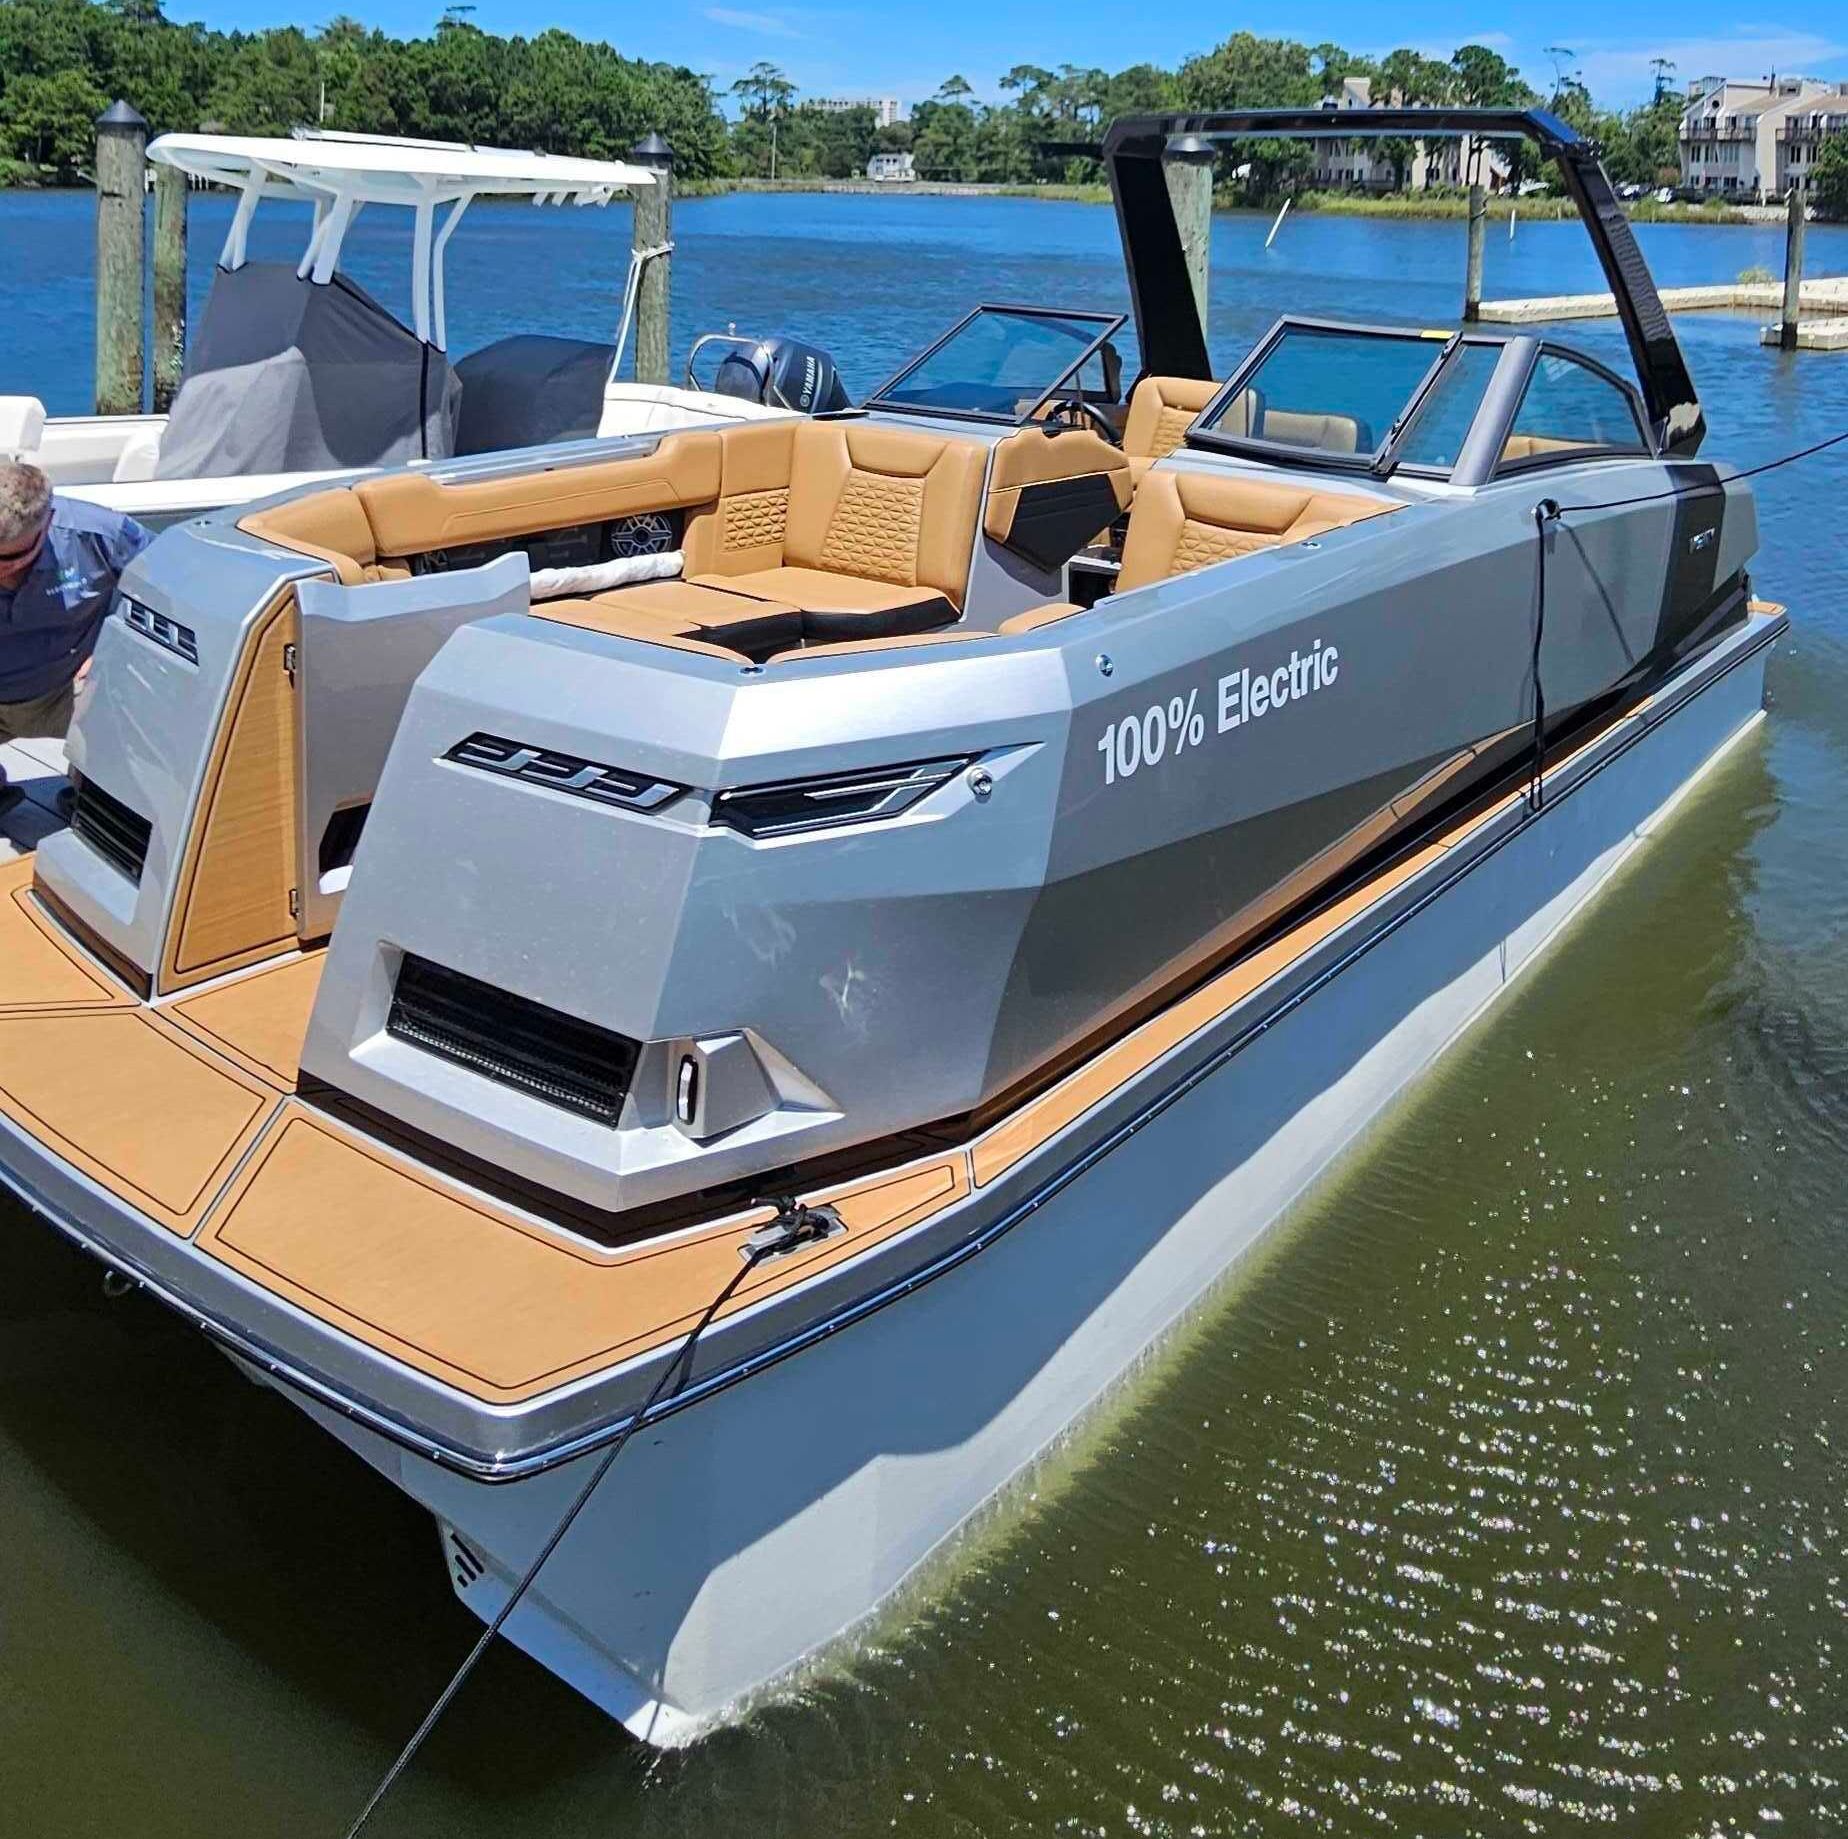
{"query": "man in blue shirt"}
(59, 560)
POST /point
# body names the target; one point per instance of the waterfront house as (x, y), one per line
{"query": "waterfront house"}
(890, 166)
(1362, 164)
(1752, 138)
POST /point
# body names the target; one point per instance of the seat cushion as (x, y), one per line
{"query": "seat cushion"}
(840, 606)
(747, 623)
(1187, 520)
(1161, 410)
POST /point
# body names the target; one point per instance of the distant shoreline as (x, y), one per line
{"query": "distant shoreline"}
(1416, 206)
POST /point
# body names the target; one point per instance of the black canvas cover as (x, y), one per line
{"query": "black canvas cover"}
(529, 389)
(286, 375)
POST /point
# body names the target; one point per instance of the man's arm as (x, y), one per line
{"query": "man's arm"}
(123, 541)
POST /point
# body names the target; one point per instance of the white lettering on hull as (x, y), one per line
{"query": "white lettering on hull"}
(1247, 695)
(1165, 731)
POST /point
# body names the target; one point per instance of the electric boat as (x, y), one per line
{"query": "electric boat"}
(295, 373)
(1014, 843)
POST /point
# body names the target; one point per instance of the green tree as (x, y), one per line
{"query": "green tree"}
(51, 120)
(764, 91)
(1829, 177)
(1485, 79)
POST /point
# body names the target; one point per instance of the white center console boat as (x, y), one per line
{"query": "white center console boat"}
(295, 373)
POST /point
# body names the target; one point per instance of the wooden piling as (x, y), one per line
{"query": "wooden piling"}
(654, 229)
(1472, 271)
(1793, 273)
(121, 195)
(170, 193)
(1187, 165)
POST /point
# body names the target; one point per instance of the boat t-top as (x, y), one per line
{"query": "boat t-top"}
(296, 373)
(1018, 838)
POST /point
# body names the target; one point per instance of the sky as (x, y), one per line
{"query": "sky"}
(906, 49)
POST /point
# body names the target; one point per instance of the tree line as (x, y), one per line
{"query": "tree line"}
(63, 61)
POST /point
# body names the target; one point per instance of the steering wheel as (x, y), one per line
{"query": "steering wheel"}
(1076, 411)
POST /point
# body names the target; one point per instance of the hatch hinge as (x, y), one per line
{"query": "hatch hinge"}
(288, 662)
(295, 903)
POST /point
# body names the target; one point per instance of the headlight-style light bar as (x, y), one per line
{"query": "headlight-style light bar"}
(792, 805)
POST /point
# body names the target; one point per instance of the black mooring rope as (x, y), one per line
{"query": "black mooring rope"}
(1549, 511)
(1545, 512)
(794, 1225)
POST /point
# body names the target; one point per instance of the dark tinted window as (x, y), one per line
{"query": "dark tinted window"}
(1000, 363)
(1446, 415)
(1329, 390)
(1568, 407)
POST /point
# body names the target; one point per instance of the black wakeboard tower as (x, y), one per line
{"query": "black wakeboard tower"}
(1168, 321)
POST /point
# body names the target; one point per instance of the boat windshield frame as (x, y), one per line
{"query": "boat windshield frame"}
(1109, 325)
(1202, 435)
(1478, 460)
(1170, 332)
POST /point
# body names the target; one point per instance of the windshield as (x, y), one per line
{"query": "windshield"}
(1002, 362)
(1328, 389)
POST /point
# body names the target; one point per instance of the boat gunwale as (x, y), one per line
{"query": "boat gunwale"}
(1079, 1144)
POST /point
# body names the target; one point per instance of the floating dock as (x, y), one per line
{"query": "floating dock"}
(1821, 297)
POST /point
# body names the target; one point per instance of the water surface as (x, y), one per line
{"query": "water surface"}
(1502, 1492)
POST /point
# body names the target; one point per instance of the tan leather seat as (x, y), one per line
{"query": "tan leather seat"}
(1184, 520)
(1535, 446)
(866, 529)
(1161, 410)
(1306, 428)
(1052, 490)
(747, 624)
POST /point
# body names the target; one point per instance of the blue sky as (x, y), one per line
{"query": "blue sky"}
(908, 49)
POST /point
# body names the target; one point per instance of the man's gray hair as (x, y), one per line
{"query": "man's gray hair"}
(25, 497)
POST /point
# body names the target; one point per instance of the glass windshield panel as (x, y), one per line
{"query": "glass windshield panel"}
(1000, 363)
(1447, 414)
(1327, 390)
(1569, 407)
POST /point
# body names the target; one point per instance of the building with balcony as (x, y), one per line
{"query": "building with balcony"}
(1752, 139)
(1363, 163)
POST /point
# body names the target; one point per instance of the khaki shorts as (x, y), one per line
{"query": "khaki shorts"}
(44, 718)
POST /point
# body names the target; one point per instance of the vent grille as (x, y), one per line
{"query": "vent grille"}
(117, 834)
(548, 1055)
(467, 1565)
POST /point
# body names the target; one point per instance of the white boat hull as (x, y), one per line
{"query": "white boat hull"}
(746, 1534)
(110, 459)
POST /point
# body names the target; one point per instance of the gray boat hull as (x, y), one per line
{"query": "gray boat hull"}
(748, 1534)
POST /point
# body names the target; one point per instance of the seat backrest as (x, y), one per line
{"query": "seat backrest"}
(1536, 446)
(887, 504)
(1311, 428)
(329, 525)
(1183, 520)
(22, 426)
(1161, 409)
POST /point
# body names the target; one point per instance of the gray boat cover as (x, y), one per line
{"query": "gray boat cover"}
(529, 389)
(286, 375)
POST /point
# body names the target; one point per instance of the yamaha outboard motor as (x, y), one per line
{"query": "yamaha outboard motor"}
(784, 374)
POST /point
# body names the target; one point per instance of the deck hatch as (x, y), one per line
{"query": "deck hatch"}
(556, 1057)
(117, 834)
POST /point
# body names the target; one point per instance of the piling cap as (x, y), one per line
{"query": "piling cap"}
(120, 114)
(652, 151)
(1189, 147)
